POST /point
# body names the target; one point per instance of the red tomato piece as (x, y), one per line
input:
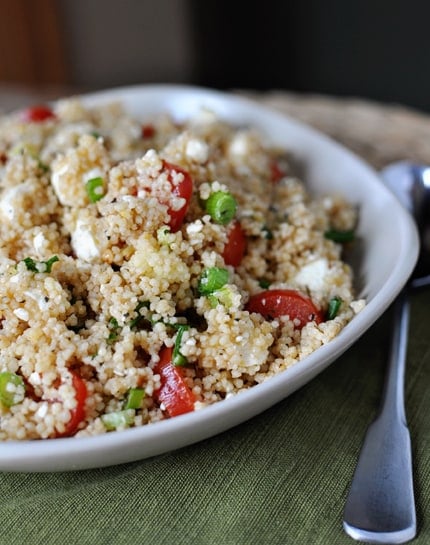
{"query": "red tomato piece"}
(235, 247)
(174, 392)
(148, 131)
(183, 189)
(37, 114)
(278, 302)
(78, 413)
(276, 173)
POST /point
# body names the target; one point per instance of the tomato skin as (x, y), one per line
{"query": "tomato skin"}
(279, 302)
(174, 393)
(276, 173)
(38, 114)
(78, 413)
(235, 247)
(183, 189)
(147, 131)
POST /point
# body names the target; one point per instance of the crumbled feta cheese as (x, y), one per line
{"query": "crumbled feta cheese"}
(313, 275)
(91, 174)
(197, 150)
(358, 305)
(11, 202)
(39, 242)
(39, 297)
(84, 242)
(240, 145)
(194, 227)
(58, 181)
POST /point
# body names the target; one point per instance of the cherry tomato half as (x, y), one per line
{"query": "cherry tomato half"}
(183, 189)
(235, 247)
(174, 393)
(37, 114)
(78, 413)
(278, 302)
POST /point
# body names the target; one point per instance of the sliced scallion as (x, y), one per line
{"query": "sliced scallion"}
(221, 206)
(40, 266)
(12, 389)
(340, 236)
(333, 307)
(118, 419)
(134, 398)
(212, 279)
(95, 189)
(223, 296)
(178, 359)
(50, 262)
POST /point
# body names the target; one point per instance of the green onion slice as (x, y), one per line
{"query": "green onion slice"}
(333, 307)
(12, 389)
(221, 206)
(178, 359)
(340, 236)
(95, 190)
(41, 266)
(212, 279)
(118, 419)
(134, 399)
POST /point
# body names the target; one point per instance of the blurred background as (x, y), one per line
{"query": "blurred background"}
(374, 49)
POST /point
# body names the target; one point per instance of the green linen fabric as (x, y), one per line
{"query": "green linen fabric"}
(280, 478)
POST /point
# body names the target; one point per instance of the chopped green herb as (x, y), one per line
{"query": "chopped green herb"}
(12, 389)
(50, 262)
(263, 283)
(135, 322)
(134, 398)
(43, 166)
(95, 134)
(221, 206)
(40, 266)
(118, 419)
(212, 279)
(95, 189)
(268, 234)
(340, 236)
(114, 330)
(30, 264)
(178, 358)
(333, 307)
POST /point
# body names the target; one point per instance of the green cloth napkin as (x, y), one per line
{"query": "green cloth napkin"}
(280, 478)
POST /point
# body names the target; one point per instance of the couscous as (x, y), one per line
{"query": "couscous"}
(149, 268)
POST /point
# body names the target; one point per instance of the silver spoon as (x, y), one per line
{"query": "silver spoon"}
(380, 507)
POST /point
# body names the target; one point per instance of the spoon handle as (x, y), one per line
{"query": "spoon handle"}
(380, 507)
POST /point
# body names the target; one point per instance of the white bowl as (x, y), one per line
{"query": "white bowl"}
(389, 251)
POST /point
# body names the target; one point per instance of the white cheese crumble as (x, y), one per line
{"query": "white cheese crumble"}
(313, 275)
(84, 242)
(11, 202)
(197, 150)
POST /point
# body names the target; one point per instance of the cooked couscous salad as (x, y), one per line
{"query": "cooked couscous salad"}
(149, 268)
